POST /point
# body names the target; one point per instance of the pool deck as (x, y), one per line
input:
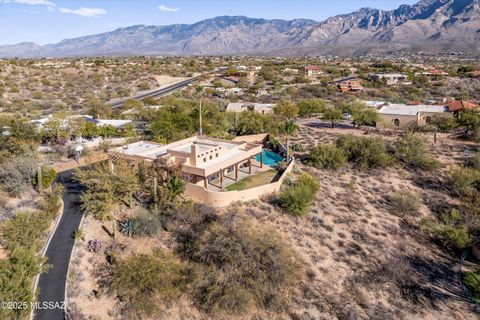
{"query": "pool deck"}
(228, 179)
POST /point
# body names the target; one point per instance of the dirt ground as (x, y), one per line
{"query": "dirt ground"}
(352, 243)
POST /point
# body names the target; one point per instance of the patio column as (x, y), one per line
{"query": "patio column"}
(261, 159)
(236, 171)
(221, 179)
(205, 182)
(249, 165)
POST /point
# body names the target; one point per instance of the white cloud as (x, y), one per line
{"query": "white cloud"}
(164, 8)
(30, 12)
(84, 12)
(32, 2)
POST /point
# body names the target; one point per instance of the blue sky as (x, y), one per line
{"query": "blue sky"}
(49, 21)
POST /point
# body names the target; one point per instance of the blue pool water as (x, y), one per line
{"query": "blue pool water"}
(270, 158)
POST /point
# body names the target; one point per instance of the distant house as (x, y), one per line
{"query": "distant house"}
(459, 105)
(263, 108)
(409, 116)
(390, 78)
(432, 74)
(290, 71)
(349, 85)
(312, 71)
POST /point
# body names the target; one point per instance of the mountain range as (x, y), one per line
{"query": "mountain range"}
(429, 25)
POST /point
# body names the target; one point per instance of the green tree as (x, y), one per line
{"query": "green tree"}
(310, 107)
(286, 109)
(469, 120)
(333, 115)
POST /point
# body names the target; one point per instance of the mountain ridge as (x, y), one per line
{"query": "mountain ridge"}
(429, 24)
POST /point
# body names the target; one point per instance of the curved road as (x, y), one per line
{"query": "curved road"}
(52, 283)
(156, 93)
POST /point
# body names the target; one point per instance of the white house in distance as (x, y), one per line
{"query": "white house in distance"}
(312, 71)
(99, 122)
(263, 108)
(391, 78)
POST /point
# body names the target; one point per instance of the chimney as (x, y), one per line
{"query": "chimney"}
(194, 151)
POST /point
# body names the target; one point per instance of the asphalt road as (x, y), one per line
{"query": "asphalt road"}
(52, 283)
(156, 93)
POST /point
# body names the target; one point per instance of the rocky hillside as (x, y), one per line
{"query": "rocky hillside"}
(429, 24)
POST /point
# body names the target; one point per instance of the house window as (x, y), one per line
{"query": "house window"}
(216, 155)
(211, 157)
(204, 159)
(428, 120)
(396, 122)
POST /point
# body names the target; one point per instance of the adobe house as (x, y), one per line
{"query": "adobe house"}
(409, 116)
(312, 71)
(197, 159)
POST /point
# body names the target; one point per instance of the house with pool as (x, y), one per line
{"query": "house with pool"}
(218, 172)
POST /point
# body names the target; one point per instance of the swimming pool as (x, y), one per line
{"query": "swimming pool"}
(270, 158)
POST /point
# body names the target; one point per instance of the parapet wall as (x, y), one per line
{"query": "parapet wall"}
(225, 198)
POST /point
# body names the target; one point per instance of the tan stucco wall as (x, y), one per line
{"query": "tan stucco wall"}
(225, 198)
(408, 121)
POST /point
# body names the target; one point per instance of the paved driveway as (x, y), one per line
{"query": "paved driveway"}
(52, 283)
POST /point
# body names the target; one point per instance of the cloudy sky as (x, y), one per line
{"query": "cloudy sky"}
(49, 21)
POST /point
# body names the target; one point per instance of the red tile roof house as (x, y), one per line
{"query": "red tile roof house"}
(458, 105)
(311, 71)
(350, 85)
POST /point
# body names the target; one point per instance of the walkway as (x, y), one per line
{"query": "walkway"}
(52, 283)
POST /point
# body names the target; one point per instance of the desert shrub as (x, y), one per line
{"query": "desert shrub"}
(449, 229)
(94, 245)
(145, 282)
(105, 190)
(104, 146)
(296, 197)
(472, 281)
(412, 150)
(365, 152)
(243, 266)
(404, 203)
(48, 175)
(16, 175)
(297, 147)
(474, 161)
(51, 201)
(327, 156)
(26, 229)
(463, 181)
(16, 279)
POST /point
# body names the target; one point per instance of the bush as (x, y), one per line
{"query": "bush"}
(143, 282)
(412, 150)
(26, 229)
(48, 175)
(16, 174)
(472, 281)
(327, 156)
(297, 197)
(474, 161)
(463, 181)
(243, 266)
(365, 152)
(16, 279)
(450, 229)
(404, 203)
(94, 245)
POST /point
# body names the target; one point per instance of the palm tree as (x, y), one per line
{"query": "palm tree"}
(289, 128)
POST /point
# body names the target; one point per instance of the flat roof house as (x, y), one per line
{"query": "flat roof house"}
(263, 108)
(390, 78)
(208, 165)
(406, 116)
(350, 85)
